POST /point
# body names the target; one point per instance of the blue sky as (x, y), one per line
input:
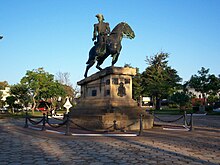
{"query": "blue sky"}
(57, 34)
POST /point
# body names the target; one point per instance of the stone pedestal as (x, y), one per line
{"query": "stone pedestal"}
(106, 96)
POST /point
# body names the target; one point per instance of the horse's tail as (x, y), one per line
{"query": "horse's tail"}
(92, 55)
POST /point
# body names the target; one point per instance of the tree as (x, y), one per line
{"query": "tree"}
(181, 99)
(10, 100)
(3, 84)
(137, 85)
(207, 84)
(63, 78)
(213, 86)
(200, 82)
(41, 85)
(211, 99)
(159, 80)
(21, 93)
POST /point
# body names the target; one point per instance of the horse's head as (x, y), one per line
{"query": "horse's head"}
(123, 29)
(127, 31)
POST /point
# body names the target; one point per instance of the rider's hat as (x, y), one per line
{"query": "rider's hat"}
(100, 16)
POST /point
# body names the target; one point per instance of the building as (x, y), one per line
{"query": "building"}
(6, 93)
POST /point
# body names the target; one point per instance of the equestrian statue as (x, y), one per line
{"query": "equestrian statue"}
(106, 42)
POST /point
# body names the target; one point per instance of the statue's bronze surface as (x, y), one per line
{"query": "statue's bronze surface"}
(107, 44)
(100, 34)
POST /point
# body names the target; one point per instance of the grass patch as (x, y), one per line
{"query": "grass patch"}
(171, 111)
(214, 113)
(179, 112)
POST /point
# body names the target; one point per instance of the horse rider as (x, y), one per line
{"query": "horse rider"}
(100, 34)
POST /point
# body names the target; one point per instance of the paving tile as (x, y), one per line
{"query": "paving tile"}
(156, 146)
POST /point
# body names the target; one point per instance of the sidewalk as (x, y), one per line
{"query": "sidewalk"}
(20, 146)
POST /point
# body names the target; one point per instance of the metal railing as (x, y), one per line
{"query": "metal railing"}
(187, 124)
(45, 120)
(42, 121)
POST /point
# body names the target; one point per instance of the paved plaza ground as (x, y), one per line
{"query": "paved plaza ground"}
(156, 146)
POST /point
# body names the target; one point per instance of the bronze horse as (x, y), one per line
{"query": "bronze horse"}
(113, 46)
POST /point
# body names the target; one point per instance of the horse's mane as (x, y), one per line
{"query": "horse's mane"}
(117, 27)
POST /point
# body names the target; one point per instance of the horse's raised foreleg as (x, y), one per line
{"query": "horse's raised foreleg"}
(88, 67)
(98, 67)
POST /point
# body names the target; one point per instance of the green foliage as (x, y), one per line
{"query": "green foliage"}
(212, 98)
(159, 80)
(128, 65)
(41, 85)
(181, 99)
(208, 108)
(21, 93)
(64, 79)
(213, 84)
(10, 100)
(198, 103)
(69, 90)
(3, 84)
(137, 85)
(200, 82)
(205, 83)
(172, 111)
